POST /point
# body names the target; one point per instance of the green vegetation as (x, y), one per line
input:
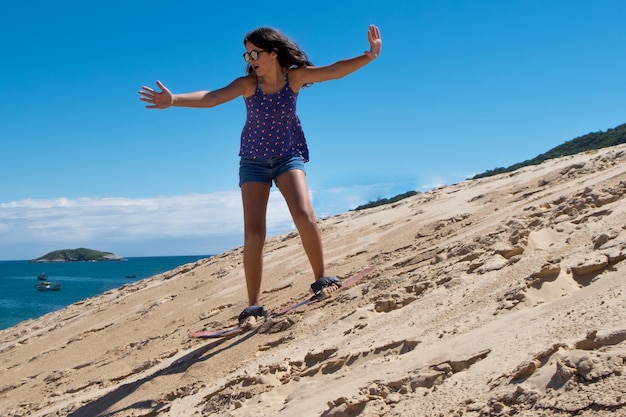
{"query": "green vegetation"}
(77, 255)
(580, 144)
(383, 201)
(590, 141)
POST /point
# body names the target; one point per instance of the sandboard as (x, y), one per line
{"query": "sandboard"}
(346, 283)
(235, 330)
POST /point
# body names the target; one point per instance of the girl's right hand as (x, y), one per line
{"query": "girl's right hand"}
(155, 99)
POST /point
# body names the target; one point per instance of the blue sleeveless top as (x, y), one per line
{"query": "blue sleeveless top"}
(272, 128)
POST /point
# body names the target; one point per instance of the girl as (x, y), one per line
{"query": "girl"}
(273, 146)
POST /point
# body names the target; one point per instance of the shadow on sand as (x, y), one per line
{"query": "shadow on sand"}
(102, 406)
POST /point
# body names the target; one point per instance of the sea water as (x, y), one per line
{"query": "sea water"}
(20, 300)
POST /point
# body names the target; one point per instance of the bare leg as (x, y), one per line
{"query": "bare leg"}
(255, 196)
(292, 185)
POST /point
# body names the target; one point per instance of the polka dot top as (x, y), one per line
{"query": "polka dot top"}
(272, 128)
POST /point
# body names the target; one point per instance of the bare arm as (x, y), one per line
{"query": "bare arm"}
(165, 98)
(306, 75)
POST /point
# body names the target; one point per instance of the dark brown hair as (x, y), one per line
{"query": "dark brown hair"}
(270, 39)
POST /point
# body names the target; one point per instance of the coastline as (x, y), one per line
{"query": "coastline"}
(79, 280)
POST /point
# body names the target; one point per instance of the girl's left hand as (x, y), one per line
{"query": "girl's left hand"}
(376, 43)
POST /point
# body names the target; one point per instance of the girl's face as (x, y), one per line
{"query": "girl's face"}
(259, 59)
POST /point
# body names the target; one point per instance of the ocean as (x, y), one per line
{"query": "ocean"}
(20, 300)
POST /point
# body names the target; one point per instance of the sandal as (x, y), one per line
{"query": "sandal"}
(252, 311)
(323, 283)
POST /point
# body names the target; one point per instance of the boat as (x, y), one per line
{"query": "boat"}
(48, 286)
(131, 276)
(42, 277)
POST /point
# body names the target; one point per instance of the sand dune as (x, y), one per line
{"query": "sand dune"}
(491, 297)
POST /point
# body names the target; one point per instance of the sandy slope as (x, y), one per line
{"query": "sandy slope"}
(499, 296)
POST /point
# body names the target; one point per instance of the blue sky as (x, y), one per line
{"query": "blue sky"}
(460, 87)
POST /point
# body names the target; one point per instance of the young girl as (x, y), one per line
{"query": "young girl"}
(273, 146)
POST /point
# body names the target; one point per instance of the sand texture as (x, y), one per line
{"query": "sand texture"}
(503, 296)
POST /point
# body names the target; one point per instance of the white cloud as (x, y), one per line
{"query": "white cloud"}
(32, 225)
(193, 224)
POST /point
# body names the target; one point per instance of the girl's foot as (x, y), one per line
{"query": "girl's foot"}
(247, 318)
(325, 286)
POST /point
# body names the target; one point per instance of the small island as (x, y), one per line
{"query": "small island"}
(77, 255)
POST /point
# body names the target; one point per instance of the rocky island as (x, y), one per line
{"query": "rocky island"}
(77, 255)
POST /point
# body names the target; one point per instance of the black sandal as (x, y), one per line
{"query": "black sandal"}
(252, 311)
(318, 286)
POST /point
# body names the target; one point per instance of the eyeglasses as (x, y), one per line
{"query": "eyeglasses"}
(252, 55)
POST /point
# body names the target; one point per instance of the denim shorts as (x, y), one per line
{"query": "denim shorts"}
(266, 170)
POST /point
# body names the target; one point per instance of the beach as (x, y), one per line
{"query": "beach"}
(499, 296)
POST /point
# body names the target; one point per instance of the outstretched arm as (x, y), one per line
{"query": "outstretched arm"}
(307, 75)
(164, 98)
